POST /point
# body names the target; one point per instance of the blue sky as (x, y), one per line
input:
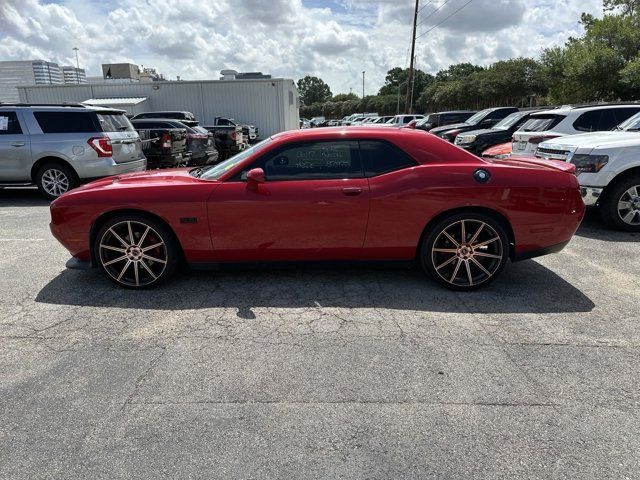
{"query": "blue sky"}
(333, 39)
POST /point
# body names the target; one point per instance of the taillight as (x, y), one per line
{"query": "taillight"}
(233, 135)
(166, 140)
(102, 146)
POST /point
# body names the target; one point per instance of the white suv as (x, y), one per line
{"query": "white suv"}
(608, 168)
(569, 121)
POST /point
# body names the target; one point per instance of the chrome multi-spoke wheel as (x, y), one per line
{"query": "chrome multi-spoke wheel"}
(135, 252)
(53, 180)
(629, 206)
(466, 251)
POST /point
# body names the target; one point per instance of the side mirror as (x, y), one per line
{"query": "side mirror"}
(255, 176)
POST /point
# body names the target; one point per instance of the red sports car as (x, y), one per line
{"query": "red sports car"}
(363, 194)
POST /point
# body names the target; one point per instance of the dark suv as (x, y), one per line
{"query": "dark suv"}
(483, 119)
(440, 119)
(477, 141)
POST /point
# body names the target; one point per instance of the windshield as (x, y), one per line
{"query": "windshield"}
(509, 121)
(631, 124)
(392, 120)
(215, 171)
(478, 117)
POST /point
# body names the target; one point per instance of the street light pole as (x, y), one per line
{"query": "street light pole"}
(77, 66)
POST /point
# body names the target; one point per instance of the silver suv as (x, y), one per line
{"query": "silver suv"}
(56, 147)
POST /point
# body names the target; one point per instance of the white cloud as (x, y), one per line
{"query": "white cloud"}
(334, 39)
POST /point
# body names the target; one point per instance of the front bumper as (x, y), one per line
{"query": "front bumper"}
(590, 195)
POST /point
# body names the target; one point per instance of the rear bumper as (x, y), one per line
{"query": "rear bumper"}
(590, 195)
(106, 167)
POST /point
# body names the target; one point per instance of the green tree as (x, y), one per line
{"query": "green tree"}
(399, 77)
(313, 90)
(628, 7)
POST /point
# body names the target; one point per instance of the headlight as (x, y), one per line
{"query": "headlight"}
(589, 163)
(467, 138)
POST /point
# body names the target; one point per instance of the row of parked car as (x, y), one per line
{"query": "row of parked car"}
(57, 147)
(601, 140)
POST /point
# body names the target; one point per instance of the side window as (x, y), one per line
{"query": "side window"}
(607, 119)
(314, 160)
(623, 114)
(9, 124)
(588, 121)
(381, 157)
(67, 122)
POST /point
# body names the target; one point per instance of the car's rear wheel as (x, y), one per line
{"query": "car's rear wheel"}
(135, 251)
(54, 179)
(465, 251)
(621, 206)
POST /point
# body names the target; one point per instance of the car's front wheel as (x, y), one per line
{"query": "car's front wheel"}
(465, 251)
(135, 251)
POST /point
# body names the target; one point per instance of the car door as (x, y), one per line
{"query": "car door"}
(313, 205)
(15, 149)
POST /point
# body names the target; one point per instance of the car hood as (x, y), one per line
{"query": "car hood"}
(610, 139)
(148, 177)
(484, 131)
(453, 126)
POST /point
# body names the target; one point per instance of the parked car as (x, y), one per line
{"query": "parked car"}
(569, 120)
(165, 147)
(229, 139)
(401, 120)
(200, 142)
(57, 147)
(477, 141)
(608, 167)
(502, 150)
(440, 119)
(326, 194)
(250, 132)
(486, 118)
(187, 118)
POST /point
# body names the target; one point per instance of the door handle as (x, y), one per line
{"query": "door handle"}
(18, 144)
(351, 191)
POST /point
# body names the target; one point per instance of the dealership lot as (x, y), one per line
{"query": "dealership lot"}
(346, 373)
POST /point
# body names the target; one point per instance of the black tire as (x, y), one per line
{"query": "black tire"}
(459, 265)
(54, 179)
(148, 261)
(612, 215)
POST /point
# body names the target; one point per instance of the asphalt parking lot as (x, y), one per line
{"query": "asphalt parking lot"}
(351, 373)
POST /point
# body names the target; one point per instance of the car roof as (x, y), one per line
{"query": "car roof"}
(59, 108)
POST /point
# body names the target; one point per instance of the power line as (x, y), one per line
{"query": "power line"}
(426, 4)
(445, 19)
(433, 13)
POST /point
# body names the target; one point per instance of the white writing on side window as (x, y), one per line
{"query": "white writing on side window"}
(4, 123)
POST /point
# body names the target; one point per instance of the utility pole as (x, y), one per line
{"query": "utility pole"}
(408, 103)
(77, 66)
(363, 92)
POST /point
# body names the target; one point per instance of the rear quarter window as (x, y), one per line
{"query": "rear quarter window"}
(67, 122)
(380, 157)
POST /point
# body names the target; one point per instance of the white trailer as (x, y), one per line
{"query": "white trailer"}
(269, 104)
